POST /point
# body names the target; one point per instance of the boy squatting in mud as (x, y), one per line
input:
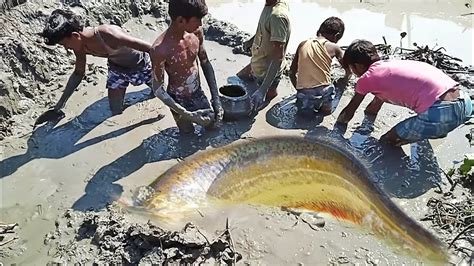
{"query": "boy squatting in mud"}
(128, 59)
(175, 51)
(310, 71)
(268, 47)
(440, 102)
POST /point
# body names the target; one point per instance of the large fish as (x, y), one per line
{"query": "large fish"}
(296, 173)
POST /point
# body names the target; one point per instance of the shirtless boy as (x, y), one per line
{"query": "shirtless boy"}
(175, 51)
(128, 58)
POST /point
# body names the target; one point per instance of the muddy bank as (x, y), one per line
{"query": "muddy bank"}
(225, 33)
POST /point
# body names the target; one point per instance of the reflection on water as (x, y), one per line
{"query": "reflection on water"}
(434, 22)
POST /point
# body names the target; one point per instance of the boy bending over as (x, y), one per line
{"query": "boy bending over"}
(128, 59)
(440, 103)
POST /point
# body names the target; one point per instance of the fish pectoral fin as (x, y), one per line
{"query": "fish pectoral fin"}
(309, 217)
(299, 211)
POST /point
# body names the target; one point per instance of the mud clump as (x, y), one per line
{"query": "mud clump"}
(111, 237)
(28, 68)
(9, 243)
(225, 33)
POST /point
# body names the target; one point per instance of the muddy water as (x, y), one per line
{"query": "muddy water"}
(426, 22)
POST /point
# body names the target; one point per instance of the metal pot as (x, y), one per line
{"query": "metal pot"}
(235, 101)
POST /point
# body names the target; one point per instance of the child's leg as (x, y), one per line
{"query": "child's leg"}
(272, 91)
(185, 126)
(116, 97)
(305, 103)
(312, 100)
(410, 130)
(392, 138)
(440, 119)
(245, 73)
(116, 86)
(328, 94)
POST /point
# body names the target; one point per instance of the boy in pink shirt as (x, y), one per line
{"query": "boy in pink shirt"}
(439, 102)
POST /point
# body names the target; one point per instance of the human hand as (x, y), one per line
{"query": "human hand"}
(341, 83)
(218, 111)
(50, 115)
(203, 117)
(257, 100)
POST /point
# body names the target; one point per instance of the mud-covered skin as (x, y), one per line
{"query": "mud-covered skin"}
(295, 173)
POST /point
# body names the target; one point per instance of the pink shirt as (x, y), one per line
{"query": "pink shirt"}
(408, 83)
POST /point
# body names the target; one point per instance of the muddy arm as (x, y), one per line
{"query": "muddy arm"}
(294, 66)
(272, 72)
(340, 55)
(74, 80)
(201, 117)
(348, 113)
(210, 78)
(247, 45)
(279, 35)
(278, 54)
(159, 86)
(374, 107)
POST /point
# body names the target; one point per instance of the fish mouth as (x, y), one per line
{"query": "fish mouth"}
(293, 172)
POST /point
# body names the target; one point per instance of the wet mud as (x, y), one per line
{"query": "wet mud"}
(110, 236)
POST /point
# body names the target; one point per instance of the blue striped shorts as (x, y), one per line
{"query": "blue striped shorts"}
(117, 79)
(440, 119)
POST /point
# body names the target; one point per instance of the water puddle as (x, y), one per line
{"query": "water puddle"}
(427, 22)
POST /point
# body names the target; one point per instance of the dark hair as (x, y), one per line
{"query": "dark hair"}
(187, 9)
(61, 24)
(332, 25)
(361, 52)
